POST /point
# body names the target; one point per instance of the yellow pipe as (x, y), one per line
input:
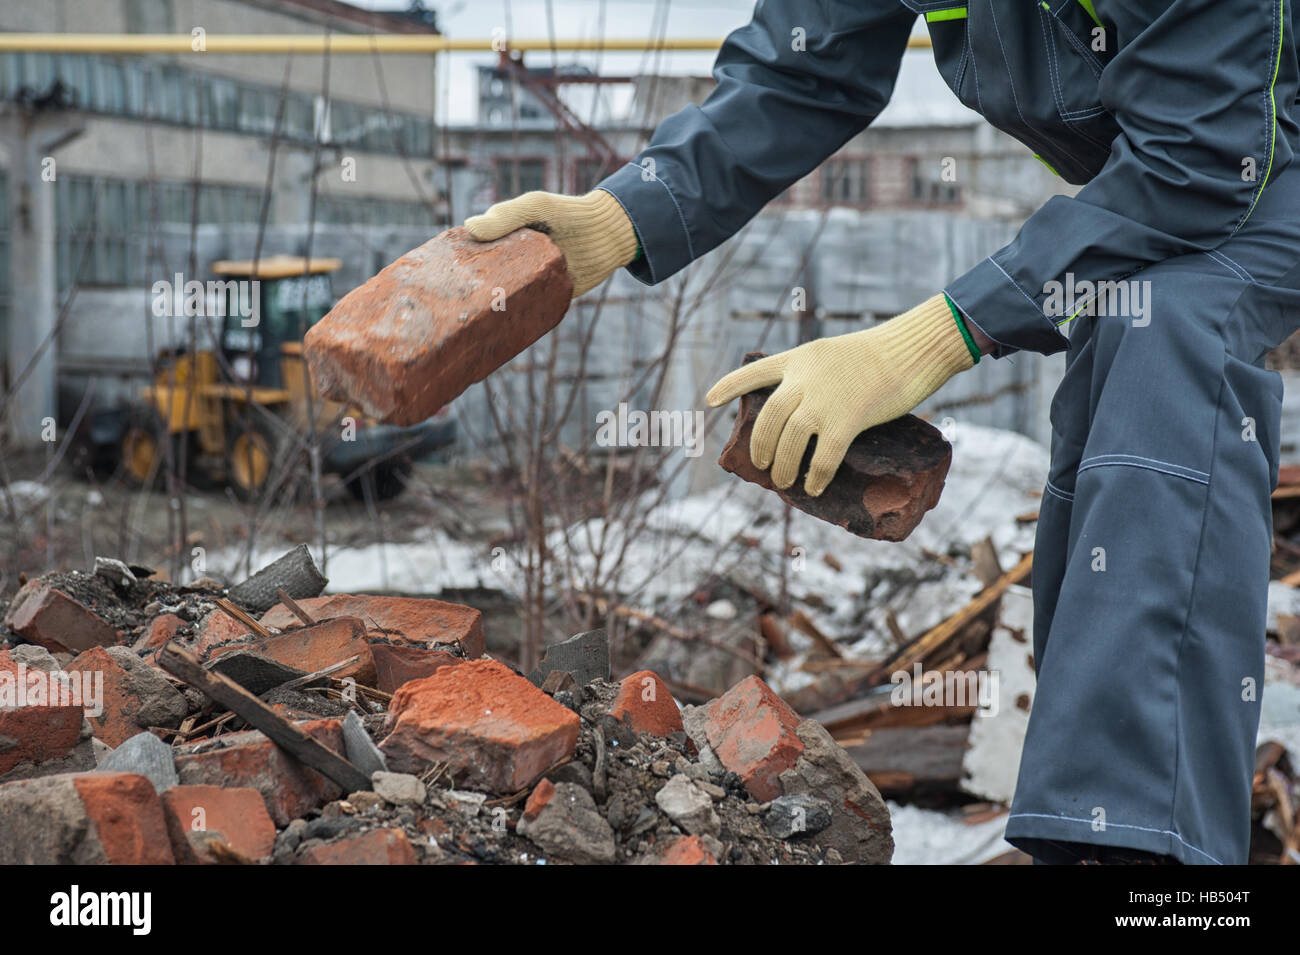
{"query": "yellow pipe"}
(335, 43)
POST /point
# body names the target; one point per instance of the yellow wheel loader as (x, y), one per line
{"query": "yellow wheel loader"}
(240, 407)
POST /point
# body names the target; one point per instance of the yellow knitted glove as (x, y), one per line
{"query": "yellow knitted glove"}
(835, 388)
(592, 231)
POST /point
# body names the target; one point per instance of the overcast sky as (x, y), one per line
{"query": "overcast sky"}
(921, 95)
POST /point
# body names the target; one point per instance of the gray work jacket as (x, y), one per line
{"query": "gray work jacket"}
(1173, 115)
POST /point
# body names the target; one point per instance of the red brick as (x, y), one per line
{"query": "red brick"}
(83, 819)
(395, 664)
(892, 474)
(36, 734)
(161, 629)
(116, 723)
(493, 729)
(686, 850)
(314, 648)
(128, 818)
(216, 628)
(127, 815)
(376, 847)
(752, 732)
(239, 815)
(53, 620)
(418, 621)
(424, 329)
(646, 704)
(250, 760)
(542, 793)
(26, 590)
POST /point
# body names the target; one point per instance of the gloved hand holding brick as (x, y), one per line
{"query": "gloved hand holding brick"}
(592, 231)
(836, 388)
(440, 318)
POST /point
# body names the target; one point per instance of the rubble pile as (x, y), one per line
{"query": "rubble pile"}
(143, 722)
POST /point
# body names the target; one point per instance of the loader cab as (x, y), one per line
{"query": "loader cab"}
(266, 307)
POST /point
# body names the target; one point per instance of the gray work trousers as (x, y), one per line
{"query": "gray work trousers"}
(1151, 563)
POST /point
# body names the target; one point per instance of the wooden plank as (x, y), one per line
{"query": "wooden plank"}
(851, 722)
(801, 622)
(294, 608)
(913, 759)
(225, 692)
(926, 644)
(235, 613)
(984, 561)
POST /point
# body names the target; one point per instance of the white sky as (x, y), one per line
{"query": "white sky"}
(921, 95)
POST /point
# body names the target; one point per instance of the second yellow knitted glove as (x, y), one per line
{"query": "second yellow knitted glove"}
(836, 388)
(592, 231)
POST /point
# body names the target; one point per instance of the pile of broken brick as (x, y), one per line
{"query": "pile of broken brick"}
(266, 723)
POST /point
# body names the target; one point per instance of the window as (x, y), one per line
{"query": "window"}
(531, 176)
(846, 181)
(107, 221)
(929, 186)
(166, 92)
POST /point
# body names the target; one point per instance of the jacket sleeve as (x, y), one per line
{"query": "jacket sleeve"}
(793, 85)
(1202, 93)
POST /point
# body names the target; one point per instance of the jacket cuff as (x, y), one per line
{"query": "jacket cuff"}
(657, 217)
(991, 301)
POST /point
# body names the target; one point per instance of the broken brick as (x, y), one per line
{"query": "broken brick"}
(316, 647)
(238, 815)
(35, 727)
(376, 847)
(37, 734)
(217, 628)
(542, 793)
(250, 760)
(83, 819)
(135, 695)
(645, 703)
(753, 732)
(441, 317)
(161, 629)
(395, 664)
(892, 474)
(686, 850)
(493, 729)
(53, 620)
(418, 621)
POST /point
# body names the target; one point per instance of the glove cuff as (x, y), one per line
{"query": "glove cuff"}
(929, 344)
(602, 239)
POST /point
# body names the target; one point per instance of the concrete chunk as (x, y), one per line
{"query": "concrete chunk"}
(145, 755)
(359, 748)
(293, 572)
(585, 655)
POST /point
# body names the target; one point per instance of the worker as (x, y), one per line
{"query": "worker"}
(1151, 561)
